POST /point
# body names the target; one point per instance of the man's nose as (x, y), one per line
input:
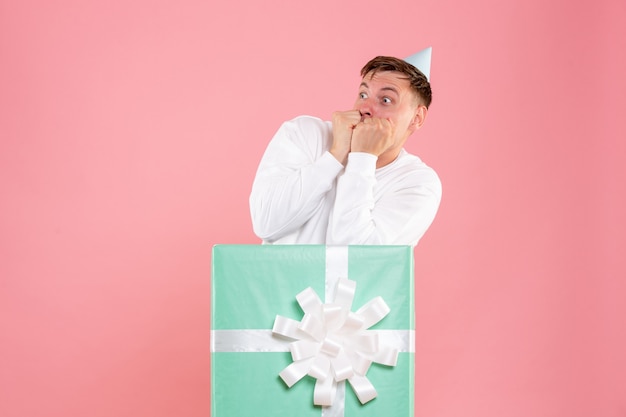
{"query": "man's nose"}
(365, 109)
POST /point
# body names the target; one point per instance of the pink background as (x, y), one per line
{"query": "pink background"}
(130, 132)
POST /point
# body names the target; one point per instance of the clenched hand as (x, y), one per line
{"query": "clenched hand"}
(373, 135)
(344, 123)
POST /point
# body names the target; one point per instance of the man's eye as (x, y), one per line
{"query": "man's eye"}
(362, 95)
(386, 100)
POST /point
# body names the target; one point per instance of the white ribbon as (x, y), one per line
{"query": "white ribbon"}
(332, 343)
(261, 340)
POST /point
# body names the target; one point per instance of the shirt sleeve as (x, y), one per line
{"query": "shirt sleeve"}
(396, 212)
(293, 177)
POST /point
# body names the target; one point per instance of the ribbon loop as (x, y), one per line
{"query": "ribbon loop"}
(363, 388)
(287, 327)
(295, 372)
(344, 294)
(324, 393)
(309, 301)
(360, 363)
(334, 316)
(331, 347)
(342, 367)
(352, 323)
(373, 312)
(319, 367)
(313, 327)
(303, 349)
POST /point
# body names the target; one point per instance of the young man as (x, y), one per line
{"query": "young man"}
(350, 181)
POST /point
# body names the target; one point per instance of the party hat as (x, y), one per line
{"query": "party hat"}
(421, 60)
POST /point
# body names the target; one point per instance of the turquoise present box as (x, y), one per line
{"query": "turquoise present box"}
(252, 284)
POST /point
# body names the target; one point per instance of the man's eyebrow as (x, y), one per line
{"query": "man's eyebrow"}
(364, 84)
(391, 89)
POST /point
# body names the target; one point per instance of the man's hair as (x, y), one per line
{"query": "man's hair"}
(418, 81)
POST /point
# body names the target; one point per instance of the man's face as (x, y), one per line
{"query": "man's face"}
(388, 95)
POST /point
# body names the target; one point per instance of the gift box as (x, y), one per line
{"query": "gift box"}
(258, 288)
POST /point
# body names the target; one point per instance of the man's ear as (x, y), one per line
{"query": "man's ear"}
(418, 119)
